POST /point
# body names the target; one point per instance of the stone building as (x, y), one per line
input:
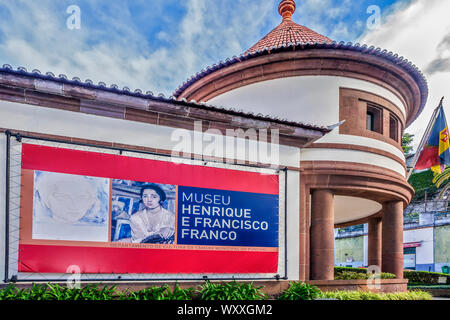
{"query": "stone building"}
(356, 173)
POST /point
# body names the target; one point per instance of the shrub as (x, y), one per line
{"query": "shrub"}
(425, 277)
(357, 274)
(89, 292)
(363, 295)
(338, 270)
(178, 293)
(36, 292)
(414, 277)
(231, 291)
(159, 293)
(351, 275)
(58, 292)
(152, 293)
(300, 291)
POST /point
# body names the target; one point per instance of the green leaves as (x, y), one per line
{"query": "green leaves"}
(300, 291)
(93, 292)
(352, 275)
(231, 291)
(58, 292)
(425, 277)
(364, 295)
(208, 291)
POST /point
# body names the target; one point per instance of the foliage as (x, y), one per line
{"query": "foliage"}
(11, 292)
(429, 286)
(414, 277)
(57, 292)
(152, 293)
(300, 291)
(407, 140)
(422, 182)
(159, 293)
(338, 270)
(178, 293)
(208, 291)
(425, 277)
(231, 291)
(363, 295)
(90, 292)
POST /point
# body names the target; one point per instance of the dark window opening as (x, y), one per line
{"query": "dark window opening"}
(393, 128)
(374, 120)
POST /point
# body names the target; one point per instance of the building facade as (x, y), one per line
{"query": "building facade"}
(338, 109)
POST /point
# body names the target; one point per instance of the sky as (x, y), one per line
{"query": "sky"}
(156, 45)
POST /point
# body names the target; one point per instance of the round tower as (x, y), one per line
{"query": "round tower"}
(354, 175)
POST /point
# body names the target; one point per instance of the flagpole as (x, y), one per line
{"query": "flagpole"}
(425, 138)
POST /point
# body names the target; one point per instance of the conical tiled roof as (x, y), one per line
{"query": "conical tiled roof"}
(288, 32)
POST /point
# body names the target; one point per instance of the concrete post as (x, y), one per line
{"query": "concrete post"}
(392, 242)
(374, 242)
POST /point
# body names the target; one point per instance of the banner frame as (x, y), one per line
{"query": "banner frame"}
(14, 279)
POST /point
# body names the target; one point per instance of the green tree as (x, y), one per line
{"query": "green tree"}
(407, 140)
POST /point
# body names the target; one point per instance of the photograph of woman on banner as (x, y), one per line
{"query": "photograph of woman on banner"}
(152, 223)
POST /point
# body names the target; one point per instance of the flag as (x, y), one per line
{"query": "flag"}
(435, 155)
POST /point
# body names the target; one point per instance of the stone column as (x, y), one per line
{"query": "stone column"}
(322, 235)
(392, 242)
(374, 242)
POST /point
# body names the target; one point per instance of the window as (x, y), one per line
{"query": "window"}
(369, 121)
(374, 119)
(393, 128)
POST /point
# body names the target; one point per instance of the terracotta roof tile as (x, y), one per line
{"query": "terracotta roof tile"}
(289, 32)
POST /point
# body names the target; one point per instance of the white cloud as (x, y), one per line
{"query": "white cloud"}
(418, 31)
(115, 50)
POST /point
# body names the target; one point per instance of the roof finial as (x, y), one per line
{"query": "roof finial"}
(287, 9)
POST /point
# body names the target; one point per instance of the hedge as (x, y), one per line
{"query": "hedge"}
(425, 277)
(414, 277)
(364, 295)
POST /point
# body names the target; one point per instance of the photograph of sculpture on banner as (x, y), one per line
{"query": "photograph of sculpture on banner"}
(70, 207)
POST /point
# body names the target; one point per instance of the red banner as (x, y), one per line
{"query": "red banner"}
(117, 214)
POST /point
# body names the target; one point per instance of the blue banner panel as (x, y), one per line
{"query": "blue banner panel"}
(210, 217)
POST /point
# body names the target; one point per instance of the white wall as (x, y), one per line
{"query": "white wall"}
(308, 99)
(424, 253)
(352, 156)
(24, 117)
(315, 100)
